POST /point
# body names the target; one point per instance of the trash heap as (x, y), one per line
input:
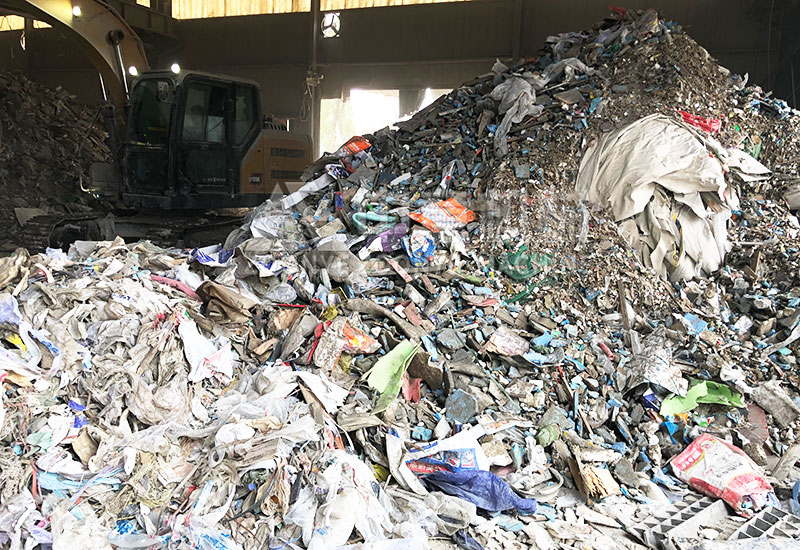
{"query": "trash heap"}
(496, 325)
(48, 141)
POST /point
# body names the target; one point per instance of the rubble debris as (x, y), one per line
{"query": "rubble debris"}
(436, 339)
(48, 142)
(773, 399)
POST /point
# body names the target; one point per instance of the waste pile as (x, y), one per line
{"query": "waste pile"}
(48, 141)
(558, 308)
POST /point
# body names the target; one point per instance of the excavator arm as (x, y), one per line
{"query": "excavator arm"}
(107, 39)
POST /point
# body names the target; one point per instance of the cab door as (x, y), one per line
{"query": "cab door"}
(146, 162)
(203, 162)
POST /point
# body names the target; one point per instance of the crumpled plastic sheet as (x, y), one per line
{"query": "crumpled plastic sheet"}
(206, 358)
(654, 364)
(666, 191)
(348, 497)
(517, 98)
(19, 518)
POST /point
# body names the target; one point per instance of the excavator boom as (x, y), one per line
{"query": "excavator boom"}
(98, 29)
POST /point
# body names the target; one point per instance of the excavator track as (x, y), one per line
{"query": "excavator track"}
(59, 231)
(179, 229)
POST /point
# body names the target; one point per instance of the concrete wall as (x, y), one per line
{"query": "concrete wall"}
(438, 45)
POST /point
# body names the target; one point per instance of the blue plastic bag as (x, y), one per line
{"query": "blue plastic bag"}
(465, 541)
(484, 489)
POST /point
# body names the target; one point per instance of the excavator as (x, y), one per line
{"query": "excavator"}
(182, 141)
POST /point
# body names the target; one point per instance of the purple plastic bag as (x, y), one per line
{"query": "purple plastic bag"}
(484, 489)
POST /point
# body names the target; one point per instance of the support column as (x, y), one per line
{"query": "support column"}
(28, 34)
(516, 25)
(316, 102)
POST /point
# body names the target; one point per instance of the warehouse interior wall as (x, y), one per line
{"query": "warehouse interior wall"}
(409, 48)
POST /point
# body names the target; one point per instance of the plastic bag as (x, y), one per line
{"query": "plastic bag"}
(386, 374)
(448, 214)
(137, 540)
(357, 340)
(710, 125)
(268, 221)
(463, 539)
(354, 500)
(187, 276)
(71, 532)
(199, 525)
(213, 539)
(386, 241)
(354, 145)
(387, 221)
(207, 358)
(213, 256)
(521, 266)
(336, 520)
(460, 451)
(411, 515)
(329, 394)
(419, 247)
(484, 489)
(303, 513)
(717, 468)
(453, 514)
(283, 293)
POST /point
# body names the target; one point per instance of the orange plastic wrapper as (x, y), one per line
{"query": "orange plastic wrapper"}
(354, 146)
(357, 340)
(449, 214)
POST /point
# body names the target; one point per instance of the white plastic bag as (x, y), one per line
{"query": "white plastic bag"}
(303, 513)
(207, 358)
(336, 520)
(187, 276)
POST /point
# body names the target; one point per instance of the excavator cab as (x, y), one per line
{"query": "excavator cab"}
(200, 141)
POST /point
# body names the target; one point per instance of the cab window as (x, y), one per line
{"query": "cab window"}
(204, 118)
(151, 109)
(244, 112)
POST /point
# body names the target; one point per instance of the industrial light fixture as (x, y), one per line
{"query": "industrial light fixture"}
(133, 71)
(330, 25)
(175, 68)
(76, 11)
